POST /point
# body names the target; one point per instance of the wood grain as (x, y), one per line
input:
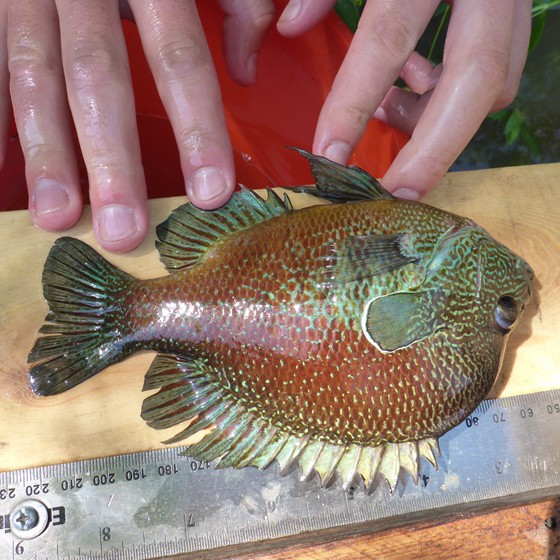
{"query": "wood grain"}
(528, 532)
(519, 206)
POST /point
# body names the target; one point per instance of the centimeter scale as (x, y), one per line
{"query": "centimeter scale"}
(161, 503)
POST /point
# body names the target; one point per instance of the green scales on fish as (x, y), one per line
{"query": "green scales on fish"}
(346, 337)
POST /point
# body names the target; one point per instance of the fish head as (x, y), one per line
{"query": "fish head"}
(487, 288)
(474, 292)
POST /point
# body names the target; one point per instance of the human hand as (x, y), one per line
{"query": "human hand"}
(484, 55)
(70, 54)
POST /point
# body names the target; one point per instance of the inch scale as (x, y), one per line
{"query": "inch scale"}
(160, 503)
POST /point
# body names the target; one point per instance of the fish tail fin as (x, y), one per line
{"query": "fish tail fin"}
(83, 330)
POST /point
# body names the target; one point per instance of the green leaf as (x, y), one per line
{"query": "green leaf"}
(513, 126)
(537, 30)
(350, 11)
(500, 115)
(540, 6)
(444, 14)
(530, 140)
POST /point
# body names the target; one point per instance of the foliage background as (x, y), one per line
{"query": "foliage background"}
(528, 131)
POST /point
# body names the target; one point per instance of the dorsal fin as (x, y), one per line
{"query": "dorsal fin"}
(338, 183)
(189, 231)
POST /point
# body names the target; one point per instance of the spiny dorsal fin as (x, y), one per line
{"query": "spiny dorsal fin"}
(189, 231)
(338, 183)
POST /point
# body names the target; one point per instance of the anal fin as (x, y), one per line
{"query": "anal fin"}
(239, 438)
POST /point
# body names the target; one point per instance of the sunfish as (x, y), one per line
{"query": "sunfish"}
(347, 337)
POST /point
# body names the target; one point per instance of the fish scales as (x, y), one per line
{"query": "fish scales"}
(345, 325)
(289, 347)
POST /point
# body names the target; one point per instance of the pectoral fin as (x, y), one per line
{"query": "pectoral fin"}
(398, 320)
(367, 256)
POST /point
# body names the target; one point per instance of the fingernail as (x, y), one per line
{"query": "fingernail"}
(208, 183)
(408, 194)
(338, 151)
(381, 115)
(116, 222)
(50, 196)
(291, 11)
(252, 66)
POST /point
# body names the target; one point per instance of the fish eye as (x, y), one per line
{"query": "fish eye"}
(506, 313)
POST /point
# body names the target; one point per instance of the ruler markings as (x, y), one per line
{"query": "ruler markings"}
(508, 452)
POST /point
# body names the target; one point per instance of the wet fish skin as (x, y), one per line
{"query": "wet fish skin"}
(366, 324)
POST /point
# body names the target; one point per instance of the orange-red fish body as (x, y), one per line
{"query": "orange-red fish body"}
(283, 339)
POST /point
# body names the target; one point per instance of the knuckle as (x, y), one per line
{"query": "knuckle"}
(491, 66)
(262, 16)
(39, 151)
(197, 137)
(190, 139)
(440, 160)
(181, 58)
(27, 62)
(506, 96)
(258, 13)
(358, 115)
(394, 34)
(107, 170)
(92, 60)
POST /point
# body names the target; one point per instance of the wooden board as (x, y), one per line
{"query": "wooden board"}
(530, 532)
(518, 206)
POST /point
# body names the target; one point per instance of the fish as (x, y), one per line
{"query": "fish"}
(345, 338)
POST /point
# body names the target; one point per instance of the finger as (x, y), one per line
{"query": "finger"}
(403, 109)
(385, 38)
(300, 15)
(176, 49)
(475, 68)
(518, 53)
(420, 74)
(245, 25)
(4, 88)
(41, 114)
(102, 104)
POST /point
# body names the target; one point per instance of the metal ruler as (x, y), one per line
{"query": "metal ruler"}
(160, 503)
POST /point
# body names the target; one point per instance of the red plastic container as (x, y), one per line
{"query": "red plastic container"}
(281, 109)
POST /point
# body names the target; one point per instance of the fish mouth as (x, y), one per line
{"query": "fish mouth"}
(529, 276)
